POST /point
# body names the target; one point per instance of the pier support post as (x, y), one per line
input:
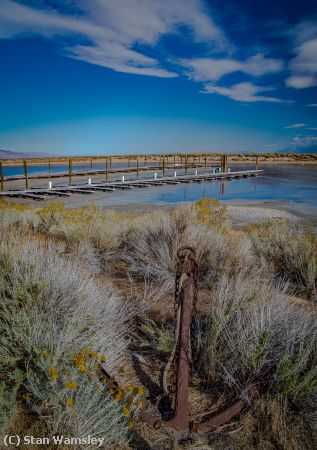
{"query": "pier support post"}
(25, 167)
(137, 167)
(186, 163)
(107, 171)
(155, 176)
(91, 163)
(110, 163)
(122, 179)
(224, 163)
(205, 163)
(174, 160)
(50, 185)
(89, 181)
(49, 167)
(145, 160)
(70, 171)
(257, 163)
(163, 168)
(1, 177)
(175, 173)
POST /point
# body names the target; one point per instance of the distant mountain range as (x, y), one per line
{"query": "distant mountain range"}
(6, 154)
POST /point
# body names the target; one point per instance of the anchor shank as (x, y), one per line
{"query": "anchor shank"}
(181, 419)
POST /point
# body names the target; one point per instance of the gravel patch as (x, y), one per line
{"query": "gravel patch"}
(251, 214)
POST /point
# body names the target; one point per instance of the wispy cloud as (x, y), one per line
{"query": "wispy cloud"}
(312, 105)
(212, 69)
(243, 92)
(111, 30)
(296, 125)
(304, 140)
(303, 67)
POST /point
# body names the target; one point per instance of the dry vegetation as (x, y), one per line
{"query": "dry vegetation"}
(84, 287)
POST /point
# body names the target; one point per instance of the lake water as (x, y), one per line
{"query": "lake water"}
(14, 170)
(293, 186)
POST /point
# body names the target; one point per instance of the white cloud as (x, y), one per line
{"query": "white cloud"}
(243, 92)
(303, 67)
(296, 125)
(212, 69)
(311, 128)
(312, 105)
(301, 81)
(304, 140)
(111, 29)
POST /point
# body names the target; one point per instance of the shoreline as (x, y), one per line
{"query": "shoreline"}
(123, 160)
(240, 212)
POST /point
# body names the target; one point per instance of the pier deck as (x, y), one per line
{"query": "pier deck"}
(108, 187)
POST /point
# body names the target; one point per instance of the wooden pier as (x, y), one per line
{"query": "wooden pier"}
(110, 186)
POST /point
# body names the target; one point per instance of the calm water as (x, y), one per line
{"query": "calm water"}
(283, 182)
(9, 171)
(293, 185)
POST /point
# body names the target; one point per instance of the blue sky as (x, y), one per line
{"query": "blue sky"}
(120, 76)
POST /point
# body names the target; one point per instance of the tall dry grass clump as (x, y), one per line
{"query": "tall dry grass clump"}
(150, 248)
(291, 252)
(50, 309)
(256, 335)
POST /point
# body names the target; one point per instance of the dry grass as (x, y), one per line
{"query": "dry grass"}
(291, 252)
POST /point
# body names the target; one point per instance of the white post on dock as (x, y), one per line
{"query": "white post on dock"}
(89, 181)
(155, 176)
(196, 172)
(50, 185)
(122, 178)
(175, 174)
(228, 169)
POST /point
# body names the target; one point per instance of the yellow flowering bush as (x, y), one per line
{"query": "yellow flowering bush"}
(57, 386)
(210, 212)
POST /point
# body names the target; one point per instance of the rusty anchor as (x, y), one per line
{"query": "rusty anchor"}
(185, 305)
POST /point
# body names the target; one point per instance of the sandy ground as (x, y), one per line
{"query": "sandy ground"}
(255, 214)
(240, 214)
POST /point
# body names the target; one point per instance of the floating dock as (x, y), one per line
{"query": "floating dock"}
(108, 187)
